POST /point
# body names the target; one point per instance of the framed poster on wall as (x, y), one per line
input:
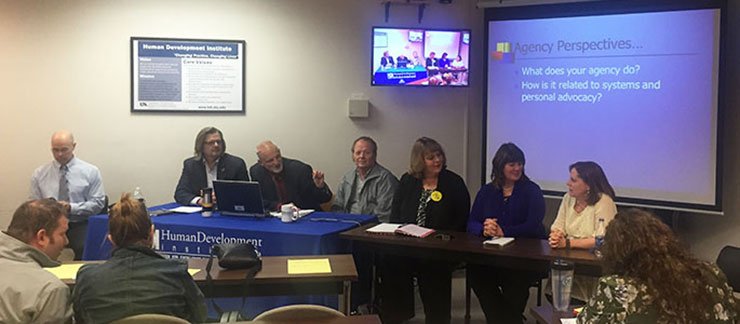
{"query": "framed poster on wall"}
(187, 75)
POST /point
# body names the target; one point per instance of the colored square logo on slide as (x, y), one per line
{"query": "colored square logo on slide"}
(503, 52)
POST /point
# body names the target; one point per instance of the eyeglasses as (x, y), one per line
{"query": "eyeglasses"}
(212, 143)
(61, 150)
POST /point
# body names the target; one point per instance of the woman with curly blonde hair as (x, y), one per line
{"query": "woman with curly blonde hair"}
(654, 279)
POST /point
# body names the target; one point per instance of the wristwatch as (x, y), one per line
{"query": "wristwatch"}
(567, 243)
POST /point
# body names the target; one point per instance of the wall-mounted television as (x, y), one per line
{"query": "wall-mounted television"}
(419, 57)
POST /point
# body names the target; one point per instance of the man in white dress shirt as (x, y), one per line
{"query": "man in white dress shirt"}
(70, 181)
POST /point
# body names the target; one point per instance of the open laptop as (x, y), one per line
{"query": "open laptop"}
(239, 198)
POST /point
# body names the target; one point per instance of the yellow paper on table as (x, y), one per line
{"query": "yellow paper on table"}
(192, 272)
(66, 271)
(307, 266)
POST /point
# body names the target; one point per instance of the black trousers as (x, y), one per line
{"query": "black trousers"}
(434, 278)
(502, 293)
(362, 288)
(76, 235)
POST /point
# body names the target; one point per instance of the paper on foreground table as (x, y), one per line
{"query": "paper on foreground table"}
(384, 228)
(499, 241)
(308, 266)
(414, 230)
(187, 209)
(66, 270)
(69, 270)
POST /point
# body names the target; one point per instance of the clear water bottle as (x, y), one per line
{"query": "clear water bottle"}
(561, 272)
(599, 237)
(138, 195)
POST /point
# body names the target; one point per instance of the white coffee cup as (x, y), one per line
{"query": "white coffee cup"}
(288, 213)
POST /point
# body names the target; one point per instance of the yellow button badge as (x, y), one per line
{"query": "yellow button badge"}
(436, 196)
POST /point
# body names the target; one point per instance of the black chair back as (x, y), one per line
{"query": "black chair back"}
(729, 262)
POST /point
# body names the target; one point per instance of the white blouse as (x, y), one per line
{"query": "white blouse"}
(583, 225)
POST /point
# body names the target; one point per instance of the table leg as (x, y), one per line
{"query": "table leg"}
(373, 287)
(344, 297)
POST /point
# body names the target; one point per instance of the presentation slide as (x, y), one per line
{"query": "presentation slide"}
(187, 75)
(636, 93)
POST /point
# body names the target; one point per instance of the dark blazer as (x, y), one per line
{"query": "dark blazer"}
(384, 61)
(301, 190)
(521, 216)
(432, 62)
(450, 213)
(193, 177)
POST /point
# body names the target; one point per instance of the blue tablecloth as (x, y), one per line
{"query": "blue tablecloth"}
(399, 75)
(192, 235)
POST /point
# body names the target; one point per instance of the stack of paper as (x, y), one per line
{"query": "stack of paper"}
(414, 230)
(383, 228)
(499, 241)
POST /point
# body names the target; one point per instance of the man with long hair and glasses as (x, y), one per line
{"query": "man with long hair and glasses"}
(209, 162)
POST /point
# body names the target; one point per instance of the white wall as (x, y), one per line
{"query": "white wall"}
(65, 64)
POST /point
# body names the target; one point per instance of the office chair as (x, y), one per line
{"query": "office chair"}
(150, 319)
(327, 205)
(300, 311)
(728, 261)
(106, 206)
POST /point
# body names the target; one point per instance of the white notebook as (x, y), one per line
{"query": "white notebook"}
(500, 241)
(384, 228)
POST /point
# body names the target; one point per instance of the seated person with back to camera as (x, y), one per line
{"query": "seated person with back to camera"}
(34, 240)
(650, 277)
(135, 280)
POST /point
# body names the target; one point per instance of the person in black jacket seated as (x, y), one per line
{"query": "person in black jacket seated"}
(283, 180)
(135, 280)
(434, 197)
(386, 61)
(210, 162)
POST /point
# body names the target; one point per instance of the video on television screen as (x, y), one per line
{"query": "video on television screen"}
(420, 57)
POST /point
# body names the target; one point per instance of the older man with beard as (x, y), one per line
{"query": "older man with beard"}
(285, 180)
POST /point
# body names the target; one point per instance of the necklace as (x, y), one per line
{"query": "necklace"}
(579, 206)
(507, 190)
(429, 183)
